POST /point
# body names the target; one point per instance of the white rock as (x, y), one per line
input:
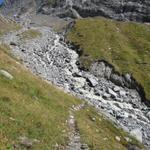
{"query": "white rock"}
(148, 115)
(112, 93)
(116, 88)
(122, 93)
(120, 105)
(128, 77)
(80, 82)
(117, 138)
(106, 95)
(93, 81)
(6, 74)
(128, 139)
(26, 142)
(137, 133)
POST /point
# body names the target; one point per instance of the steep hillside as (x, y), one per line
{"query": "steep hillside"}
(124, 45)
(31, 108)
(34, 113)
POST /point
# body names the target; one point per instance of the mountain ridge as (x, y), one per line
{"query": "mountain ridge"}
(130, 10)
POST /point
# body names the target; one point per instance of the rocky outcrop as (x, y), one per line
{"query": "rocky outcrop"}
(103, 69)
(138, 10)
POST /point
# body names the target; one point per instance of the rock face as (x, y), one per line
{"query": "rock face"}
(134, 10)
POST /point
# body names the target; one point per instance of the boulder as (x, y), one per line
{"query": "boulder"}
(116, 88)
(137, 133)
(80, 82)
(106, 95)
(93, 81)
(148, 115)
(128, 77)
(127, 139)
(122, 93)
(6, 74)
(112, 93)
(24, 141)
(133, 147)
(13, 43)
(117, 138)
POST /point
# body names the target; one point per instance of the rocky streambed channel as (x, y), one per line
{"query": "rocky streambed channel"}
(50, 57)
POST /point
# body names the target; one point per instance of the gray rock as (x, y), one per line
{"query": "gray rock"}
(100, 69)
(118, 80)
(116, 88)
(127, 139)
(137, 133)
(6, 74)
(148, 115)
(80, 82)
(117, 138)
(93, 82)
(133, 147)
(84, 147)
(122, 93)
(13, 43)
(106, 95)
(26, 142)
(112, 93)
(128, 77)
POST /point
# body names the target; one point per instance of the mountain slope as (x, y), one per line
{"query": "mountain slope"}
(34, 113)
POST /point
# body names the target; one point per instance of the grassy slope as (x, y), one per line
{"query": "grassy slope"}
(30, 107)
(125, 45)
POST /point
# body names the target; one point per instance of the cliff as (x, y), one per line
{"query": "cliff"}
(134, 10)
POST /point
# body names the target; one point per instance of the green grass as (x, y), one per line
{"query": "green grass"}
(30, 34)
(125, 45)
(100, 134)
